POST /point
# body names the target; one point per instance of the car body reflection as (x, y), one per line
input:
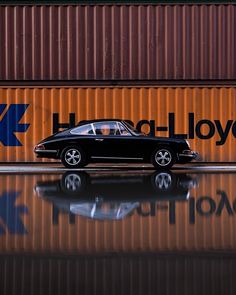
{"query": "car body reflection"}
(113, 196)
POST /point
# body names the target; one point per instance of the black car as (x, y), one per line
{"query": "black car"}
(113, 141)
(113, 196)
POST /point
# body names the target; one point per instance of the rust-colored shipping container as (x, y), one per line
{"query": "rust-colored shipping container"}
(118, 42)
(206, 116)
(121, 274)
(34, 217)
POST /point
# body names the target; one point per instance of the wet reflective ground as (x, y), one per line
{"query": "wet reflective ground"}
(118, 232)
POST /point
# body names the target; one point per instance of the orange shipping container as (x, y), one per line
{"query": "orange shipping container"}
(204, 115)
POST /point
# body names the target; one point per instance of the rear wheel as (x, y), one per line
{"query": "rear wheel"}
(74, 182)
(163, 158)
(73, 157)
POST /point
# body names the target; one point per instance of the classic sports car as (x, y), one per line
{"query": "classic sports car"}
(113, 141)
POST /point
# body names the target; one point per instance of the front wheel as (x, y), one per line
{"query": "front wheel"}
(73, 157)
(163, 181)
(163, 158)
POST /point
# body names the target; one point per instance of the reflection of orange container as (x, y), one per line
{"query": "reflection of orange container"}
(206, 116)
(206, 221)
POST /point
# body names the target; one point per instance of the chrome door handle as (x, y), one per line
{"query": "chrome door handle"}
(99, 139)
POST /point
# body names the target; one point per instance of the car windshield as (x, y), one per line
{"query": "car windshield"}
(133, 129)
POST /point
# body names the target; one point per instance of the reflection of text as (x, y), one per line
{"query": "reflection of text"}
(204, 206)
(10, 214)
(201, 207)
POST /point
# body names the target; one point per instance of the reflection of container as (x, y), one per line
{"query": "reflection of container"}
(204, 115)
(204, 222)
(117, 42)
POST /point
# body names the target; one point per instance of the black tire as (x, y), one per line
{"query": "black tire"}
(74, 182)
(73, 157)
(163, 181)
(163, 158)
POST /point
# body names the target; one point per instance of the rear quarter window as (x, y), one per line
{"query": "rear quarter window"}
(83, 130)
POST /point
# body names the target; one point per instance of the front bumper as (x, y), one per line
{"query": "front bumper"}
(188, 155)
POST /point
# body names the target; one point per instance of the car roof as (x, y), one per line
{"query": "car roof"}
(83, 122)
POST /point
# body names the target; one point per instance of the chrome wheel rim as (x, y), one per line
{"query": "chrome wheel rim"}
(163, 157)
(73, 182)
(163, 181)
(72, 157)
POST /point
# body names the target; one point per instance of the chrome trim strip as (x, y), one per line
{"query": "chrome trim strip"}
(94, 133)
(118, 158)
(185, 155)
(45, 151)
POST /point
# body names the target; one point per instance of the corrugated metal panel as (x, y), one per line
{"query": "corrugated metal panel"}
(206, 116)
(145, 274)
(117, 42)
(110, 2)
(204, 222)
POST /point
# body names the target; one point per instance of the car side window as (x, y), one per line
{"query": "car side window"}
(106, 128)
(83, 130)
(123, 130)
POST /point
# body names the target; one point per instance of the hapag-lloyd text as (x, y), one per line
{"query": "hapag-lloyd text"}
(203, 129)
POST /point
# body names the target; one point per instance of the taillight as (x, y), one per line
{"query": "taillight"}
(39, 147)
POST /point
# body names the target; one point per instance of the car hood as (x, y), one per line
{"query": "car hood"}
(179, 140)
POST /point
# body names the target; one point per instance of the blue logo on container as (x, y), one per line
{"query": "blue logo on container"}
(10, 214)
(10, 123)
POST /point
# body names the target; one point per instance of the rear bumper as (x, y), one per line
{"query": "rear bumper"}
(188, 156)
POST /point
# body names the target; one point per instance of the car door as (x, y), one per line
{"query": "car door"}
(112, 142)
(105, 141)
(132, 147)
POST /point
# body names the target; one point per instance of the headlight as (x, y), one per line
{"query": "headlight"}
(187, 143)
